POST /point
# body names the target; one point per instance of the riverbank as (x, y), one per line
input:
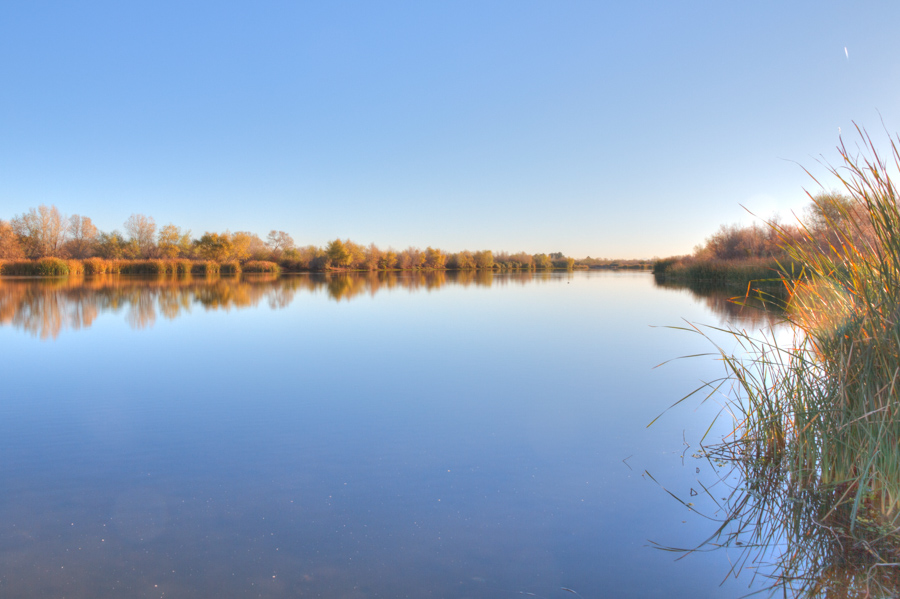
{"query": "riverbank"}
(58, 267)
(724, 273)
(817, 425)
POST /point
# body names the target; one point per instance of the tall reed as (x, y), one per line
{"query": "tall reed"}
(261, 266)
(817, 421)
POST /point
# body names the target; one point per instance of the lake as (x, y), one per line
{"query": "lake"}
(446, 435)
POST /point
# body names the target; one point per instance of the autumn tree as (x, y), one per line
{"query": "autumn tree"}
(464, 260)
(213, 246)
(248, 245)
(172, 242)
(10, 248)
(82, 237)
(388, 259)
(434, 258)
(141, 230)
(357, 254)
(41, 231)
(523, 260)
(279, 242)
(373, 257)
(112, 246)
(542, 261)
(484, 259)
(337, 253)
(833, 219)
(411, 258)
(311, 257)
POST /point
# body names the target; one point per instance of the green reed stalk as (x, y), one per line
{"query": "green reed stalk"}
(817, 430)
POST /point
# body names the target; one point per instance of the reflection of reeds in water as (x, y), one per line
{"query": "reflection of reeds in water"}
(762, 307)
(817, 427)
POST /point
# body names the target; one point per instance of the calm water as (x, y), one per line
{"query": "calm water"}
(353, 437)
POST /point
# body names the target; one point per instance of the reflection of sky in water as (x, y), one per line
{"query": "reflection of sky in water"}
(468, 441)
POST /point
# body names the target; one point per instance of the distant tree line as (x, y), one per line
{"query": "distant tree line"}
(44, 232)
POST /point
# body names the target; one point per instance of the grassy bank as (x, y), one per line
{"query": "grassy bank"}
(817, 422)
(733, 273)
(56, 267)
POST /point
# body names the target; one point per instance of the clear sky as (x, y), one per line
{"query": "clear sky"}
(609, 129)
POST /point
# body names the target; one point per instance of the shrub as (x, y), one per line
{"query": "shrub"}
(205, 267)
(96, 266)
(51, 267)
(232, 267)
(261, 266)
(76, 267)
(183, 267)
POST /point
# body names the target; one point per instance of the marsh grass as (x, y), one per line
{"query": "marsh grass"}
(232, 267)
(204, 267)
(44, 267)
(816, 437)
(261, 266)
(688, 269)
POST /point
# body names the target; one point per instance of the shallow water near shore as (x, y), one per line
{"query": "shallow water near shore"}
(354, 436)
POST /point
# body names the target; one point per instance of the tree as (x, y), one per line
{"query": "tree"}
(834, 219)
(41, 231)
(10, 248)
(141, 230)
(484, 259)
(171, 242)
(279, 242)
(112, 246)
(337, 253)
(213, 246)
(248, 245)
(434, 258)
(465, 260)
(82, 237)
(542, 261)
(373, 257)
(388, 259)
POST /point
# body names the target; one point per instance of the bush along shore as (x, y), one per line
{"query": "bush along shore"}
(817, 421)
(762, 253)
(58, 267)
(715, 272)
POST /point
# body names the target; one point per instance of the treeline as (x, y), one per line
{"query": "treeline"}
(738, 254)
(43, 233)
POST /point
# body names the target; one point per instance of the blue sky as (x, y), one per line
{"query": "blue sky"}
(592, 128)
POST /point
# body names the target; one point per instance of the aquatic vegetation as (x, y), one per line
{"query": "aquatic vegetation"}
(816, 437)
(720, 272)
(232, 267)
(261, 266)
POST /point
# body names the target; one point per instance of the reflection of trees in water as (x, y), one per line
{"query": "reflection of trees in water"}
(762, 308)
(44, 307)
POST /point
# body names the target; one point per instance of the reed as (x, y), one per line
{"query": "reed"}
(45, 267)
(205, 267)
(76, 267)
(262, 266)
(232, 267)
(182, 266)
(817, 422)
(720, 272)
(51, 267)
(96, 266)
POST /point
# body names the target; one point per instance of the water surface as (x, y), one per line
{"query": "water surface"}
(370, 436)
